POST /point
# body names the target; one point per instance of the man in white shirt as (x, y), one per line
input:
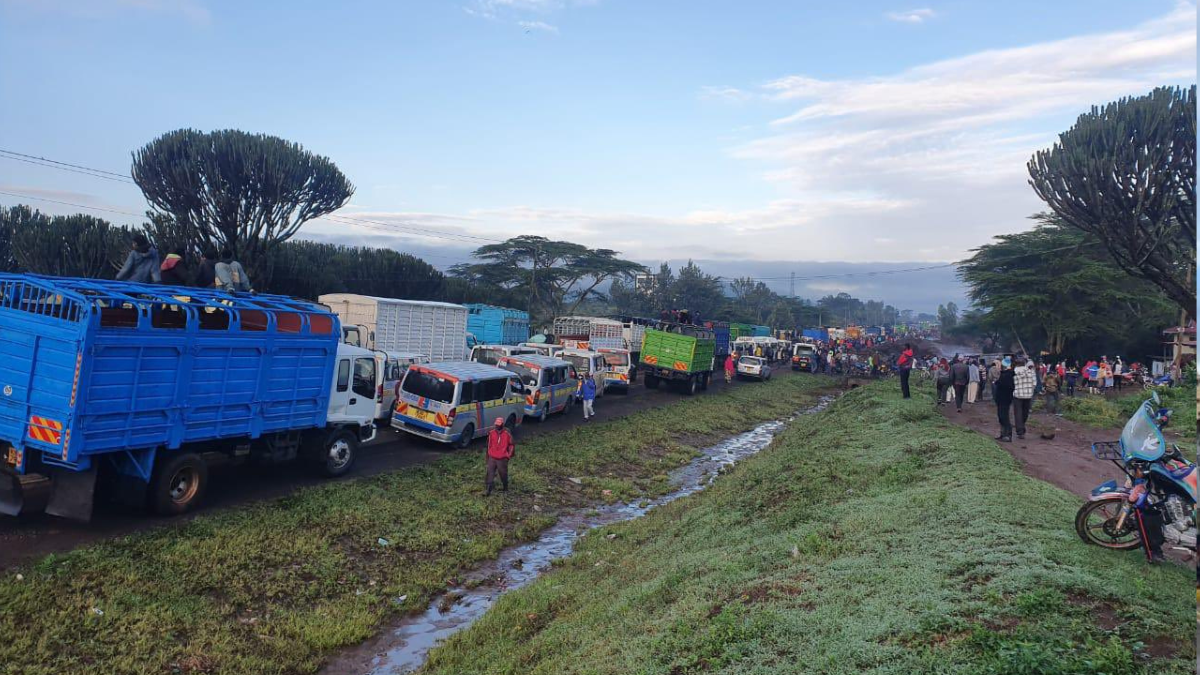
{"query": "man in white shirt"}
(1024, 382)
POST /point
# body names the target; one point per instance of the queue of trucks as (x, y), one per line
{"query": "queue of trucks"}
(141, 388)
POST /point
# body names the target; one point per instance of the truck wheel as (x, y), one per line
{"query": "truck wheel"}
(689, 387)
(704, 381)
(464, 439)
(178, 484)
(337, 454)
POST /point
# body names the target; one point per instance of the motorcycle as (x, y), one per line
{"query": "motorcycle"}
(1154, 506)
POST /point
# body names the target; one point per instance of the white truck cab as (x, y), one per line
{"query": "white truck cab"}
(355, 385)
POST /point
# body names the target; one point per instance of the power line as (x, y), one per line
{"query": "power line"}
(65, 168)
(124, 176)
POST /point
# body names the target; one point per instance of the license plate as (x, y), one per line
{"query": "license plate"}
(13, 457)
(423, 415)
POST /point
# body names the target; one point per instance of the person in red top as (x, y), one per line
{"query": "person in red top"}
(730, 367)
(500, 449)
(905, 364)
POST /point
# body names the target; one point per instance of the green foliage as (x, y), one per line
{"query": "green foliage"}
(947, 316)
(250, 192)
(1112, 413)
(556, 276)
(865, 540)
(1126, 174)
(1060, 292)
(76, 245)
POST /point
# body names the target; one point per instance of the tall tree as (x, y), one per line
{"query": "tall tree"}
(1058, 292)
(250, 192)
(697, 292)
(557, 276)
(1126, 174)
(948, 316)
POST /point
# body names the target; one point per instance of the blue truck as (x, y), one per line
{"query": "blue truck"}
(140, 387)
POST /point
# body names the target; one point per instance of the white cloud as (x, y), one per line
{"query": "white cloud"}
(912, 15)
(721, 93)
(538, 25)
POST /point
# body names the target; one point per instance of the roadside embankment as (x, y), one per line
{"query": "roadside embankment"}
(875, 537)
(277, 586)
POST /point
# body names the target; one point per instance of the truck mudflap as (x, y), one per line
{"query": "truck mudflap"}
(72, 493)
(22, 494)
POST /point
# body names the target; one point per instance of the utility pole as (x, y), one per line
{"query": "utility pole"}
(792, 286)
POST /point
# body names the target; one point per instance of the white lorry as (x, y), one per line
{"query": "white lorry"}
(437, 330)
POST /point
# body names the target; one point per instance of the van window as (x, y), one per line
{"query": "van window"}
(556, 375)
(428, 385)
(364, 377)
(581, 363)
(529, 376)
(493, 389)
(466, 393)
(343, 381)
(488, 356)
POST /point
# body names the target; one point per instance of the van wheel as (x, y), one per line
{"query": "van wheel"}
(511, 422)
(543, 413)
(468, 435)
(337, 454)
(178, 484)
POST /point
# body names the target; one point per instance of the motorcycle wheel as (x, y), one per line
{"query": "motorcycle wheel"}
(1096, 523)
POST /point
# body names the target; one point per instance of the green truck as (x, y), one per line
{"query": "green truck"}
(680, 353)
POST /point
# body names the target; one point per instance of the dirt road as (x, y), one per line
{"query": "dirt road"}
(26, 538)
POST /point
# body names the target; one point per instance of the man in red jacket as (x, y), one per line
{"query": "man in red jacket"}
(500, 449)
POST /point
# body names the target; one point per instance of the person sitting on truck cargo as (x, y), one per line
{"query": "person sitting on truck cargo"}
(173, 270)
(231, 276)
(142, 263)
(206, 274)
(501, 448)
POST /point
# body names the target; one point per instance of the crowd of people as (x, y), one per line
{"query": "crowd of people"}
(217, 269)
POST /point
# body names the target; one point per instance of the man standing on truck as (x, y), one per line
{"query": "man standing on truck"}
(501, 448)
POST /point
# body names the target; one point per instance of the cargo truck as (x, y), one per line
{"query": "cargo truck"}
(436, 329)
(678, 353)
(589, 332)
(142, 386)
(493, 325)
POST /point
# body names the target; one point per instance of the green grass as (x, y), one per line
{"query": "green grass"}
(873, 538)
(275, 586)
(1112, 413)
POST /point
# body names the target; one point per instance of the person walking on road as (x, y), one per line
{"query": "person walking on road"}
(1072, 378)
(1051, 387)
(501, 448)
(1003, 394)
(1024, 383)
(905, 364)
(941, 376)
(973, 383)
(960, 377)
(730, 367)
(142, 264)
(588, 392)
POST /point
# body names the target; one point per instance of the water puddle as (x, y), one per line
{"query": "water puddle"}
(404, 648)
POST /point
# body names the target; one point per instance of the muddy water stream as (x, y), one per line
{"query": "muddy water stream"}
(404, 647)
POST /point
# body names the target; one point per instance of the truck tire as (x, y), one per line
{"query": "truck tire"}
(689, 387)
(704, 381)
(337, 454)
(178, 484)
(465, 438)
(651, 381)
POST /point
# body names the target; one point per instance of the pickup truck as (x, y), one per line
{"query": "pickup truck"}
(142, 386)
(680, 353)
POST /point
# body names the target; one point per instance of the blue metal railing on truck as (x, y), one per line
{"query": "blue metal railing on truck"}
(92, 368)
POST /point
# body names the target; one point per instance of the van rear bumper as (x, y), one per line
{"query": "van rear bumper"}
(418, 428)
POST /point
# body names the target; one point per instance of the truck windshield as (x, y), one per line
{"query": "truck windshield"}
(529, 376)
(616, 359)
(581, 363)
(488, 356)
(428, 385)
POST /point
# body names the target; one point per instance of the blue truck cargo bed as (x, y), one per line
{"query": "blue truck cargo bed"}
(89, 367)
(493, 325)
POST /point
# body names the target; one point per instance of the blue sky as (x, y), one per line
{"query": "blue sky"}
(888, 132)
